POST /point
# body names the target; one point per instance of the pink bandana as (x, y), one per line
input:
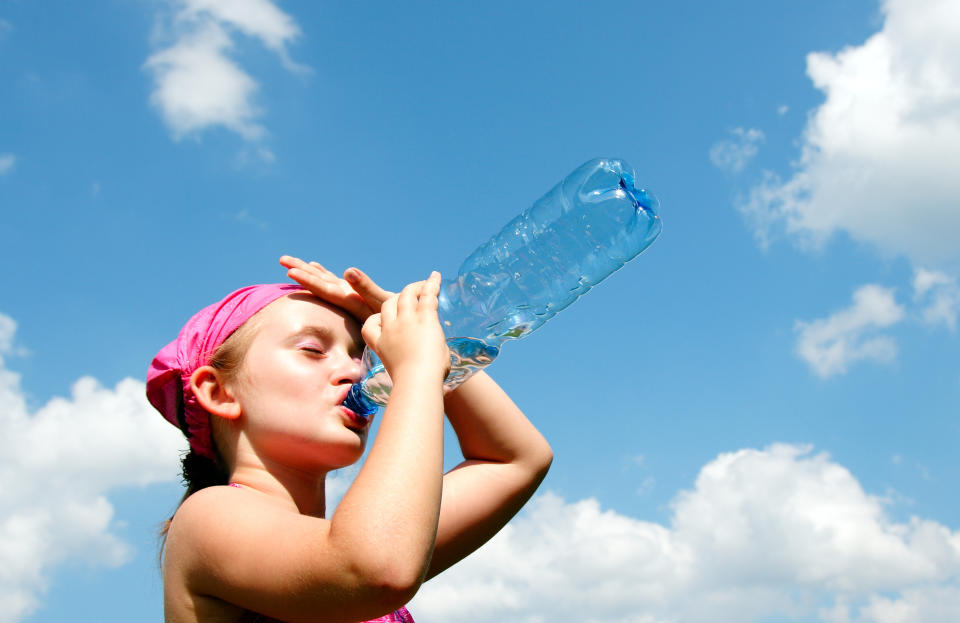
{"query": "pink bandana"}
(168, 379)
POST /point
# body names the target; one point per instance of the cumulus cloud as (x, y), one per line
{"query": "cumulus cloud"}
(197, 85)
(779, 532)
(878, 157)
(6, 163)
(734, 154)
(57, 466)
(830, 345)
(939, 295)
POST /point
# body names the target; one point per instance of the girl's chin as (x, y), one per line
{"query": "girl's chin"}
(333, 452)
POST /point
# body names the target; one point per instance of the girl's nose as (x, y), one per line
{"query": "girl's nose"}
(349, 370)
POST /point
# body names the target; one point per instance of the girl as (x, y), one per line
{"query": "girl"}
(256, 383)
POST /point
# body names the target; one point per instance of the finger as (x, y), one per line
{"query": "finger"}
(409, 296)
(371, 330)
(388, 311)
(326, 273)
(315, 281)
(314, 268)
(373, 294)
(289, 261)
(430, 291)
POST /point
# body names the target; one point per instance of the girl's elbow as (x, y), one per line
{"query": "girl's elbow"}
(542, 456)
(545, 460)
(538, 460)
(393, 583)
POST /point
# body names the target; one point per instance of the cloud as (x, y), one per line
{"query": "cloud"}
(196, 84)
(830, 345)
(6, 163)
(940, 295)
(733, 155)
(878, 157)
(255, 18)
(57, 466)
(779, 532)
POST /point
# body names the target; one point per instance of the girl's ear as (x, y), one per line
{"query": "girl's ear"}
(212, 394)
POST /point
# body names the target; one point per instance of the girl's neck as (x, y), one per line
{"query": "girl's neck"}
(303, 492)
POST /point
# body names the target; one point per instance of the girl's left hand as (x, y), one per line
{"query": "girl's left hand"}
(357, 294)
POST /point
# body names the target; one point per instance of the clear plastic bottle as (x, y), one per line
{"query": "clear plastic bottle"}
(589, 225)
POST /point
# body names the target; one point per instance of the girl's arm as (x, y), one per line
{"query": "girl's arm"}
(242, 547)
(505, 459)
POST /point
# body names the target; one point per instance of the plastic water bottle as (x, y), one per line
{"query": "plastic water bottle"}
(589, 225)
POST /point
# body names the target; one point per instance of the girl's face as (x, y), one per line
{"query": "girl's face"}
(303, 359)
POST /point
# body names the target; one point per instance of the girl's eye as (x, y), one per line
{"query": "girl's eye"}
(313, 349)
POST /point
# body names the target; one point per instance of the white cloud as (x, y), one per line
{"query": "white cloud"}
(6, 163)
(57, 466)
(779, 531)
(830, 345)
(878, 157)
(782, 109)
(933, 604)
(255, 18)
(733, 155)
(197, 84)
(941, 296)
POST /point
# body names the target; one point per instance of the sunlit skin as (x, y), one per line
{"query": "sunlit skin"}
(269, 547)
(305, 356)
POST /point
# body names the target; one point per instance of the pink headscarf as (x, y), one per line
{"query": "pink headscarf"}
(168, 379)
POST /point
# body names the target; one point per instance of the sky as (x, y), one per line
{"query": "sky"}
(752, 421)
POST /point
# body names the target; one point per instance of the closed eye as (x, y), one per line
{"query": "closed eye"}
(313, 350)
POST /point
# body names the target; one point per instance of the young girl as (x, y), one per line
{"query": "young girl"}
(256, 383)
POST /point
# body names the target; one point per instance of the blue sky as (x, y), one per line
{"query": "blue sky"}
(753, 421)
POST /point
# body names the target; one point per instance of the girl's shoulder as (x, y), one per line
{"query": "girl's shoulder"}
(196, 520)
(211, 510)
(207, 504)
(221, 543)
(221, 526)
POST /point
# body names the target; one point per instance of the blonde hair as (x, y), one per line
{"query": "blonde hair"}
(197, 471)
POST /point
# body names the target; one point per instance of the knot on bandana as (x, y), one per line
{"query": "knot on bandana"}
(168, 378)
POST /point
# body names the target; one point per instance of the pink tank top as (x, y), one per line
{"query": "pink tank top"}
(400, 616)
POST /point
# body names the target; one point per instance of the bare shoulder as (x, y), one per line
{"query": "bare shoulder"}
(229, 547)
(197, 519)
(188, 544)
(222, 523)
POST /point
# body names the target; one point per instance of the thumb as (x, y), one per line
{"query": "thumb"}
(371, 331)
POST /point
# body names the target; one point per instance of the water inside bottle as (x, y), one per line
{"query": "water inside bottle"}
(468, 356)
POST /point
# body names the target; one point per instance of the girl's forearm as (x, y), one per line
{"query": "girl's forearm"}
(490, 427)
(506, 458)
(390, 513)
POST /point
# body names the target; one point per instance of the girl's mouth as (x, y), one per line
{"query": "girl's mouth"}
(355, 422)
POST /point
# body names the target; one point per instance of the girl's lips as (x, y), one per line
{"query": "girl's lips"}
(355, 421)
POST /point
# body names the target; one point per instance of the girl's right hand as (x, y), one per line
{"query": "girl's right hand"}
(407, 335)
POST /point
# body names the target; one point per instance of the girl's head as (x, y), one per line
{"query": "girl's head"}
(272, 362)
(168, 378)
(273, 355)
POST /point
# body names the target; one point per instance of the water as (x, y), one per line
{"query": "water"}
(585, 228)
(468, 356)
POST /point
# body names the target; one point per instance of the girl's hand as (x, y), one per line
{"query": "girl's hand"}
(357, 293)
(406, 334)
